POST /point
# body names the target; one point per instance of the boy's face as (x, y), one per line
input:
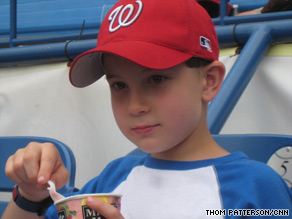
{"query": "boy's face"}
(155, 109)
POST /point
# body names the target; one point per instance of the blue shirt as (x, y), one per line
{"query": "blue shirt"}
(226, 187)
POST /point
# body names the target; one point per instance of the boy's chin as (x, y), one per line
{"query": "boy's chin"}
(149, 146)
(152, 148)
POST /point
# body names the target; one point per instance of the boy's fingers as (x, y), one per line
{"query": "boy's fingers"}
(52, 167)
(49, 159)
(31, 160)
(9, 171)
(107, 210)
(19, 166)
(60, 177)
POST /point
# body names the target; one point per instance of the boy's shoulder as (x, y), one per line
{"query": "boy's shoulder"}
(252, 184)
(249, 169)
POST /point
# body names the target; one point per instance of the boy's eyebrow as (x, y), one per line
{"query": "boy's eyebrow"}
(109, 76)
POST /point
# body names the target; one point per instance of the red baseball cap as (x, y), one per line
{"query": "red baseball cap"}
(154, 34)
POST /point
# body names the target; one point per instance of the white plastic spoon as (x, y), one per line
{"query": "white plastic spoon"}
(52, 190)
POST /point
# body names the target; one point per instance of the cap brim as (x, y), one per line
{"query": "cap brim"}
(87, 67)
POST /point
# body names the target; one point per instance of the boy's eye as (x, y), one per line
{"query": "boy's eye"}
(157, 79)
(119, 85)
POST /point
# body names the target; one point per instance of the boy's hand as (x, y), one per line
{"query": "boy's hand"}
(31, 168)
(107, 210)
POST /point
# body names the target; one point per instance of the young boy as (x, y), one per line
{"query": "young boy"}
(161, 62)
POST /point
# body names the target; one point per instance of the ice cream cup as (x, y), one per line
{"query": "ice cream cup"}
(74, 207)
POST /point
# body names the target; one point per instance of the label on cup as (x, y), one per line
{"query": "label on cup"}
(88, 213)
(76, 208)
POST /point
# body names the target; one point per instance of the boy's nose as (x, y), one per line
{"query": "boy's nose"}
(137, 104)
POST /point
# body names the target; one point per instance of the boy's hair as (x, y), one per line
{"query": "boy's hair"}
(154, 34)
(196, 62)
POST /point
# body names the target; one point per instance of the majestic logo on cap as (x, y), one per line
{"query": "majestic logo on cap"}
(118, 18)
(205, 43)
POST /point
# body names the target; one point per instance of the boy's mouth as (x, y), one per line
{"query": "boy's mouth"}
(144, 129)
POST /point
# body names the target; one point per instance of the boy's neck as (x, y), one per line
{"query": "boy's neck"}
(212, 150)
(199, 146)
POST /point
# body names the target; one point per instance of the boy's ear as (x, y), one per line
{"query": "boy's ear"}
(213, 79)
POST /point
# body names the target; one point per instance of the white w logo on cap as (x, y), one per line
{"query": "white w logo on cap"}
(119, 12)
